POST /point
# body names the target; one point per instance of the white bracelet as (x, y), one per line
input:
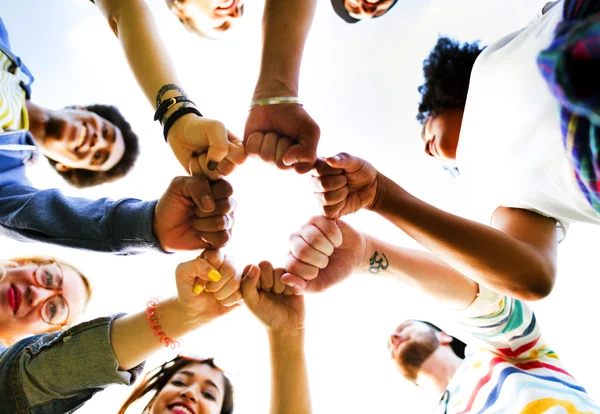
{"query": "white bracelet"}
(275, 101)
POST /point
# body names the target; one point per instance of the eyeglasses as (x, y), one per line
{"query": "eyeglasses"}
(55, 310)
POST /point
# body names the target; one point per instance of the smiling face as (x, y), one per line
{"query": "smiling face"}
(26, 305)
(410, 345)
(367, 9)
(194, 389)
(440, 135)
(79, 139)
(209, 18)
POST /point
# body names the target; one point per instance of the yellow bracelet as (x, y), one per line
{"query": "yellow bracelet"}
(275, 101)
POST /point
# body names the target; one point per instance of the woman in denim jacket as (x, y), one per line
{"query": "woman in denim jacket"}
(57, 372)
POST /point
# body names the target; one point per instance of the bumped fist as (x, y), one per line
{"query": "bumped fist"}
(284, 134)
(194, 214)
(344, 184)
(268, 299)
(322, 253)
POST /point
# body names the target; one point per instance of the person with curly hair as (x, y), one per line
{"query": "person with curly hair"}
(87, 149)
(491, 115)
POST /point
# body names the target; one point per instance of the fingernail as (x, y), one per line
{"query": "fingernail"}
(214, 276)
(291, 285)
(207, 202)
(335, 158)
(212, 165)
(198, 289)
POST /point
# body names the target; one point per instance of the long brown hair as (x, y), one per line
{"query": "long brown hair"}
(155, 380)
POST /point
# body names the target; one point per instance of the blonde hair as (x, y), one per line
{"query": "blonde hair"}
(23, 261)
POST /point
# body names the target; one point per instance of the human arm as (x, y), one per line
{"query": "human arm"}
(132, 22)
(283, 317)
(505, 325)
(132, 339)
(517, 256)
(126, 226)
(294, 134)
(60, 371)
(317, 260)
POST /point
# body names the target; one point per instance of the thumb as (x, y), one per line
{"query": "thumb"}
(218, 144)
(304, 151)
(250, 279)
(345, 161)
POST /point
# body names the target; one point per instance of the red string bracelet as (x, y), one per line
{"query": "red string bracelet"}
(153, 320)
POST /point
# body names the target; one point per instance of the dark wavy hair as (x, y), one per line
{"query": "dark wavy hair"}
(81, 178)
(447, 71)
(155, 380)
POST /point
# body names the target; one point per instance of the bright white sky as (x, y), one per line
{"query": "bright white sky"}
(360, 83)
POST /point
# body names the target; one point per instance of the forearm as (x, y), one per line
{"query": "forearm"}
(419, 269)
(133, 23)
(133, 340)
(480, 252)
(289, 383)
(286, 24)
(30, 214)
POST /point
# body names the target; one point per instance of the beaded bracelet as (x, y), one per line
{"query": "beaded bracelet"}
(151, 317)
(176, 115)
(276, 101)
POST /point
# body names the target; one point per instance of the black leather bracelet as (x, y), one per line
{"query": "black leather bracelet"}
(176, 115)
(168, 104)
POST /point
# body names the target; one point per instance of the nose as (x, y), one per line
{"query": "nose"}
(37, 295)
(237, 12)
(191, 393)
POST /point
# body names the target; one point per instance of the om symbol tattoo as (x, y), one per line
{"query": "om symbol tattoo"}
(376, 265)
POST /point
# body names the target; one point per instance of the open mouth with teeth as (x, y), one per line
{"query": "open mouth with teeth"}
(228, 5)
(181, 409)
(81, 138)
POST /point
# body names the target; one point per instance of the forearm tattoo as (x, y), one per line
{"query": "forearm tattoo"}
(376, 264)
(165, 89)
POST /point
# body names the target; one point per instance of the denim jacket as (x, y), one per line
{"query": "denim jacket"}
(30, 214)
(59, 372)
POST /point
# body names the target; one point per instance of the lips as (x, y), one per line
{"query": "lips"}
(227, 5)
(181, 408)
(14, 298)
(82, 137)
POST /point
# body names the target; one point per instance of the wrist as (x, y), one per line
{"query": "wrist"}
(188, 319)
(381, 190)
(365, 255)
(269, 86)
(286, 338)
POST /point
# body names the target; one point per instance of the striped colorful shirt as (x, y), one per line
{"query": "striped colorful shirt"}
(508, 368)
(13, 113)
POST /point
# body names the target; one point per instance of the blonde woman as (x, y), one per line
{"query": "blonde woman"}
(57, 370)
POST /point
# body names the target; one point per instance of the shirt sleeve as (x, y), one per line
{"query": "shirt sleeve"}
(66, 365)
(505, 325)
(30, 214)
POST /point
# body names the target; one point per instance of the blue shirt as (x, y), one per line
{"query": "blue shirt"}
(30, 214)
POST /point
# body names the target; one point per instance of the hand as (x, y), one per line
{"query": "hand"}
(181, 219)
(344, 184)
(284, 134)
(322, 254)
(220, 283)
(191, 136)
(277, 310)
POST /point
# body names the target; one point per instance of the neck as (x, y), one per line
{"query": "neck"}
(437, 371)
(38, 121)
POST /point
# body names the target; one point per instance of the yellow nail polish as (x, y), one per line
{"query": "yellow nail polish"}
(198, 289)
(214, 276)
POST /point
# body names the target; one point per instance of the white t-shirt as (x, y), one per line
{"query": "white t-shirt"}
(510, 151)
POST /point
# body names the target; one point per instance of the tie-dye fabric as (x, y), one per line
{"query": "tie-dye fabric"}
(571, 65)
(509, 368)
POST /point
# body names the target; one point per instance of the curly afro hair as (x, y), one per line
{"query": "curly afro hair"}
(447, 71)
(81, 178)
